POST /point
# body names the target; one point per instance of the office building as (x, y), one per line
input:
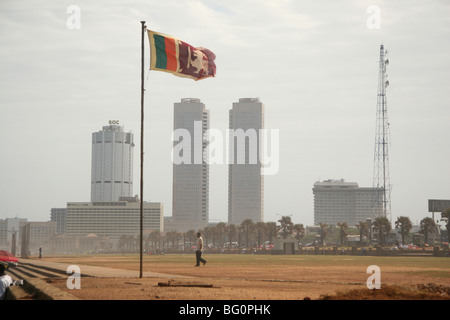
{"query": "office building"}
(190, 190)
(39, 235)
(59, 215)
(25, 237)
(112, 163)
(10, 232)
(113, 218)
(245, 181)
(339, 201)
(112, 212)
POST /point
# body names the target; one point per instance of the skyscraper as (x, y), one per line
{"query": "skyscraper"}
(112, 164)
(190, 197)
(113, 211)
(245, 181)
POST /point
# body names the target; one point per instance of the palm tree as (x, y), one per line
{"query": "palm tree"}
(405, 225)
(363, 230)
(177, 238)
(445, 216)
(239, 233)
(247, 227)
(154, 238)
(123, 244)
(190, 237)
(383, 226)
(272, 231)
(130, 243)
(163, 241)
(147, 243)
(231, 231)
(427, 226)
(172, 237)
(220, 229)
(261, 230)
(286, 226)
(208, 234)
(323, 232)
(138, 242)
(343, 233)
(299, 230)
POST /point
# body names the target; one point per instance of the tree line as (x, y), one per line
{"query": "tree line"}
(249, 234)
(382, 227)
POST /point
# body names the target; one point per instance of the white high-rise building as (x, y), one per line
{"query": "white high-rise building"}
(112, 164)
(113, 218)
(245, 181)
(339, 201)
(190, 195)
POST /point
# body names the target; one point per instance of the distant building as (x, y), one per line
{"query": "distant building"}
(40, 233)
(113, 218)
(339, 201)
(17, 234)
(245, 181)
(59, 215)
(112, 164)
(10, 229)
(112, 212)
(190, 192)
(90, 243)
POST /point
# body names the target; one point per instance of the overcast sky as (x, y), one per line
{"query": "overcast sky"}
(314, 65)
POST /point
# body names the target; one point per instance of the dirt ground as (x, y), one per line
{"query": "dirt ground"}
(263, 280)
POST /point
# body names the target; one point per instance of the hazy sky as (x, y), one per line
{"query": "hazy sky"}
(314, 64)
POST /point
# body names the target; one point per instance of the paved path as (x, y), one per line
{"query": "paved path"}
(103, 272)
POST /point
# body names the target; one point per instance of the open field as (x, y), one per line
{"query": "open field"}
(261, 277)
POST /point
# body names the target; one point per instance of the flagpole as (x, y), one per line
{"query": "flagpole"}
(142, 151)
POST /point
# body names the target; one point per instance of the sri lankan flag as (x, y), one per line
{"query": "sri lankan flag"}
(172, 55)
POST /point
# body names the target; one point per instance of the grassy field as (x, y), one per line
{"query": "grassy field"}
(276, 277)
(155, 262)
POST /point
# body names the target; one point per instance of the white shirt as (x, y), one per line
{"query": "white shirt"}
(5, 282)
(199, 244)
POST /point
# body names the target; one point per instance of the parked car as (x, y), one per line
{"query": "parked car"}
(234, 244)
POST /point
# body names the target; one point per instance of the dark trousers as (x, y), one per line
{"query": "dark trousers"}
(198, 255)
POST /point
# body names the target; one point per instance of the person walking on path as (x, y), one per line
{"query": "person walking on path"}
(198, 252)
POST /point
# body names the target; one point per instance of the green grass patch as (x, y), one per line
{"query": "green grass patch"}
(305, 260)
(266, 260)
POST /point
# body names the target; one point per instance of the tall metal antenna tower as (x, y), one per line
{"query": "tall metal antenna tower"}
(381, 181)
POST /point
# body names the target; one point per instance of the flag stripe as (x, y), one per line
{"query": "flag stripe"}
(161, 57)
(171, 54)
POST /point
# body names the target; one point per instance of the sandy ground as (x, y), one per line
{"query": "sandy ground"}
(219, 281)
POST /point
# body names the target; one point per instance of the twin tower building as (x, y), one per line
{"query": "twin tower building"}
(112, 165)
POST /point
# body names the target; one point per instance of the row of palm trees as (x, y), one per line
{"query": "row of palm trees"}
(247, 235)
(382, 227)
(254, 235)
(250, 234)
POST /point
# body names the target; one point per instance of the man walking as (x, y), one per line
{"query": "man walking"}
(198, 253)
